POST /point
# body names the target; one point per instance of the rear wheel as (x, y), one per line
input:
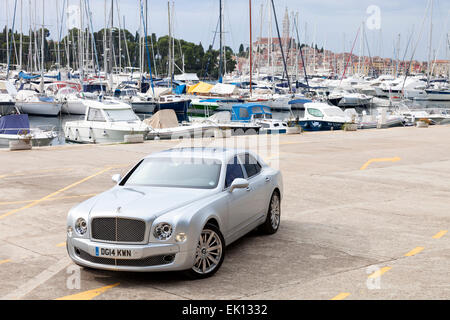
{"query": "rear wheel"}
(272, 222)
(209, 254)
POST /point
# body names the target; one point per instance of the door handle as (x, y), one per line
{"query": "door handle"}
(248, 189)
(267, 179)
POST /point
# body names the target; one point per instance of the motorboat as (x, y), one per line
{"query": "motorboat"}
(105, 121)
(164, 125)
(348, 98)
(34, 103)
(258, 114)
(320, 116)
(139, 102)
(15, 127)
(379, 119)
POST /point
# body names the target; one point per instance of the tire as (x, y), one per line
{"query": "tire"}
(203, 266)
(272, 223)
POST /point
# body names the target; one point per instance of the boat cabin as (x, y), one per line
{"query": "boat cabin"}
(110, 111)
(249, 111)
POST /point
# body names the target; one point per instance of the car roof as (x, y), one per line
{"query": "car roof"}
(199, 152)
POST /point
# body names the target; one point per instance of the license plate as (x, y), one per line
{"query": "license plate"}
(113, 253)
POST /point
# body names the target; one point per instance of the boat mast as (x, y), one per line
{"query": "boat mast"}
(430, 44)
(251, 48)
(221, 42)
(42, 47)
(21, 33)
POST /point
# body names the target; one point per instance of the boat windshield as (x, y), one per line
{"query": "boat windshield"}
(121, 115)
(196, 173)
(334, 112)
(315, 112)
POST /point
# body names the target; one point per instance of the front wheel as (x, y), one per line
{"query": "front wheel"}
(209, 254)
(272, 222)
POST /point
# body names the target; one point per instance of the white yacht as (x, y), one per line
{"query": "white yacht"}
(320, 116)
(105, 121)
(7, 96)
(32, 102)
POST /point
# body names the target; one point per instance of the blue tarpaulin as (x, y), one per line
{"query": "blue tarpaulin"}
(180, 89)
(25, 76)
(14, 124)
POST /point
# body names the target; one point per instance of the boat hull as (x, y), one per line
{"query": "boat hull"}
(39, 108)
(87, 134)
(316, 125)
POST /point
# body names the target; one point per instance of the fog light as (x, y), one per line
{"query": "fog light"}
(81, 226)
(69, 232)
(181, 237)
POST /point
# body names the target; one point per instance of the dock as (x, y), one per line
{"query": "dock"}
(365, 215)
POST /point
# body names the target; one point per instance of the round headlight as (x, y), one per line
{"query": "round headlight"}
(163, 231)
(81, 226)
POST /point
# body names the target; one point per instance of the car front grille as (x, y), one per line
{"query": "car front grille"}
(144, 262)
(118, 230)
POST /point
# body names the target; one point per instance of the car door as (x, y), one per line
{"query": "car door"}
(257, 184)
(240, 205)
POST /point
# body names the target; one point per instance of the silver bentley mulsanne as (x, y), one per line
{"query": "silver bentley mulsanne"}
(176, 210)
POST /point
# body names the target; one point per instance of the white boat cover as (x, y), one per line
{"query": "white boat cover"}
(163, 119)
(159, 92)
(187, 77)
(224, 89)
(221, 117)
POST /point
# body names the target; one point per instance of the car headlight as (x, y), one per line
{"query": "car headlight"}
(81, 226)
(163, 231)
(69, 232)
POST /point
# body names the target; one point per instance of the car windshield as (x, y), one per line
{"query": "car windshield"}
(193, 173)
(121, 115)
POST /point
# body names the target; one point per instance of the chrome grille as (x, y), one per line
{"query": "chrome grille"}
(118, 230)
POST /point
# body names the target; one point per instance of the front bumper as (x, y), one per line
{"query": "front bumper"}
(145, 258)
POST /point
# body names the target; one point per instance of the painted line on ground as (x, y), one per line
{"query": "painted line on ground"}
(379, 272)
(440, 234)
(62, 244)
(341, 296)
(20, 174)
(35, 282)
(32, 204)
(368, 163)
(89, 295)
(52, 199)
(5, 261)
(414, 251)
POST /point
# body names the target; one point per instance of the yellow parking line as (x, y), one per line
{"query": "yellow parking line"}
(32, 204)
(414, 251)
(5, 261)
(88, 295)
(19, 174)
(440, 234)
(62, 244)
(341, 296)
(368, 163)
(53, 199)
(380, 272)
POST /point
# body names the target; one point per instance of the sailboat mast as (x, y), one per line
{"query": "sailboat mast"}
(251, 48)
(221, 43)
(430, 43)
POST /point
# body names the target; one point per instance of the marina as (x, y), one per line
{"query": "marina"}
(141, 142)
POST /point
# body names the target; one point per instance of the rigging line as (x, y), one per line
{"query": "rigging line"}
(211, 52)
(349, 57)
(12, 35)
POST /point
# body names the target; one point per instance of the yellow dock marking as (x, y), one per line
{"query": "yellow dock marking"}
(380, 272)
(440, 234)
(368, 163)
(32, 204)
(53, 199)
(88, 295)
(341, 296)
(62, 244)
(5, 261)
(414, 251)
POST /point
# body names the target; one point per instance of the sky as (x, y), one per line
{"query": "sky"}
(332, 24)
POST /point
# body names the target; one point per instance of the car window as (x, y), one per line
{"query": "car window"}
(234, 171)
(251, 165)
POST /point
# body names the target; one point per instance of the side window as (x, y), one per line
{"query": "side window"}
(234, 171)
(251, 165)
(243, 113)
(95, 115)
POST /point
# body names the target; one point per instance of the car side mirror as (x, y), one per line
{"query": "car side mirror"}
(116, 178)
(239, 183)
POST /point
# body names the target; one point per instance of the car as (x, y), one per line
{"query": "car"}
(176, 210)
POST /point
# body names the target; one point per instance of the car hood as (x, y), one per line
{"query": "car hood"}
(145, 203)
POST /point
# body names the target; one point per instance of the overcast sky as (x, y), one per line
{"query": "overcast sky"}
(330, 23)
